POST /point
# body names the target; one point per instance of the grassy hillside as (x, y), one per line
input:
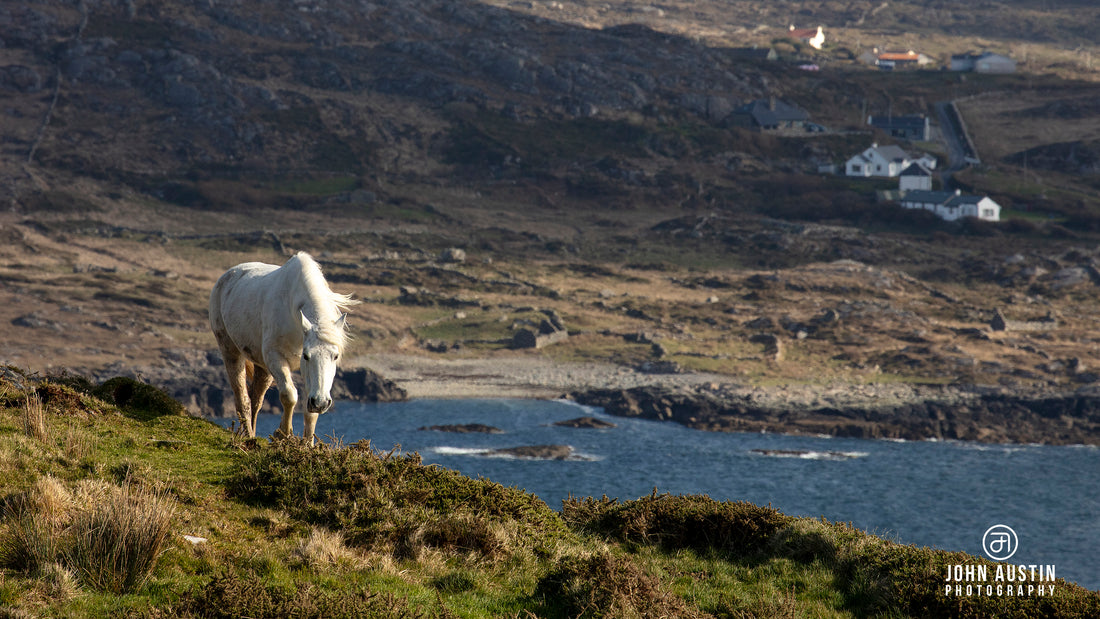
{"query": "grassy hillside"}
(107, 490)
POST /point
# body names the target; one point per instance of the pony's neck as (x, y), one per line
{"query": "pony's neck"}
(314, 299)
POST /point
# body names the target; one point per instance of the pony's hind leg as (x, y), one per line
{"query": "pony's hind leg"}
(237, 368)
(261, 382)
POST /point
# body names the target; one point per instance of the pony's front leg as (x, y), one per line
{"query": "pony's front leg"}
(309, 421)
(288, 395)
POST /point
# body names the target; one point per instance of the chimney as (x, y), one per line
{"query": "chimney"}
(771, 103)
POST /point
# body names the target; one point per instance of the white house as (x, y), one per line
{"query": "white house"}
(886, 161)
(916, 177)
(952, 205)
(813, 38)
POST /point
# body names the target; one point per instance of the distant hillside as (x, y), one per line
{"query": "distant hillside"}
(155, 90)
(231, 105)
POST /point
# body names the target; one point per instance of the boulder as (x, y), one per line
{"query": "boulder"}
(452, 255)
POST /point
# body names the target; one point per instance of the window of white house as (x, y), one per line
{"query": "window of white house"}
(856, 169)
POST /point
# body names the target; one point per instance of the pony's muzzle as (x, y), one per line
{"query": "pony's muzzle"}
(318, 405)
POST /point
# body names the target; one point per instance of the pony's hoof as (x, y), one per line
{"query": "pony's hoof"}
(279, 435)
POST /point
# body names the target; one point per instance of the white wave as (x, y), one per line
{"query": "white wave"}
(445, 450)
(806, 454)
(481, 452)
(590, 410)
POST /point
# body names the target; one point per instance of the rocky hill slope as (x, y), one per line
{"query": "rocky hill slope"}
(584, 165)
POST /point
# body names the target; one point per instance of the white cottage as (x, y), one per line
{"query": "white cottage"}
(952, 205)
(814, 37)
(887, 161)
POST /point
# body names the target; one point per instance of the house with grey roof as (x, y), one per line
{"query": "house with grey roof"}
(908, 127)
(916, 177)
(771, 115)
(884, 161)
(755, 53)
(986, 62)
(952, 205)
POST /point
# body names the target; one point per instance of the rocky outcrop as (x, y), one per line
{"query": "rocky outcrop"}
(197, 379)
(947, 414)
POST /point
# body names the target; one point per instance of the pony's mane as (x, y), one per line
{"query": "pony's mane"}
(327, 304)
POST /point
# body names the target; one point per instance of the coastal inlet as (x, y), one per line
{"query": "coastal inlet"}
(929, 493)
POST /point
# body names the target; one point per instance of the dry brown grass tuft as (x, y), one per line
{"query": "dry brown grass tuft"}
(115, 545)
(103, 536)
(324, 548)
(34, 417)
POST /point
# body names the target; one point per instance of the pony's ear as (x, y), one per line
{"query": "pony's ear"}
(306, 324)
(341, 321)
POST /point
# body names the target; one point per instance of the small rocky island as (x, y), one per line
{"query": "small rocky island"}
(465, 428)
(586, 422)
(535, 452)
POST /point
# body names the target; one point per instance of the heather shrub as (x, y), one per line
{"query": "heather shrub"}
(608, 585)
(392, 502)
(694, 522)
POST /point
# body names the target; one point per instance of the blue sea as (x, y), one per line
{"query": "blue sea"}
(939, 494)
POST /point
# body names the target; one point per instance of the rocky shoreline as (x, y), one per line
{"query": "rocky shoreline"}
(702, 401)
(949, 413)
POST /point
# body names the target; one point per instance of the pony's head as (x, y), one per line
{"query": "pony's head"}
(320, 352)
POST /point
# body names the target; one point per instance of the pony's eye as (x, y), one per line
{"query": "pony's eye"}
(305, 356)
(337, 357)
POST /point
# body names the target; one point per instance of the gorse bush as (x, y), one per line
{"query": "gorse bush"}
(393, 502)
(607, 585)
(137, 398)
(230, 597)
(675, 522)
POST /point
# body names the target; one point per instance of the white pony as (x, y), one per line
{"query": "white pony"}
(271, 320)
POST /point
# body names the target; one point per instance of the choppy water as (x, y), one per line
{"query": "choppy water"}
(940, 494)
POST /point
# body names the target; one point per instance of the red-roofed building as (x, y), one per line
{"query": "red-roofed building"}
(902, 60)
(815, 38)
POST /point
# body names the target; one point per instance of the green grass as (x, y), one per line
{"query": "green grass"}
(345, 531)
(318, 186)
